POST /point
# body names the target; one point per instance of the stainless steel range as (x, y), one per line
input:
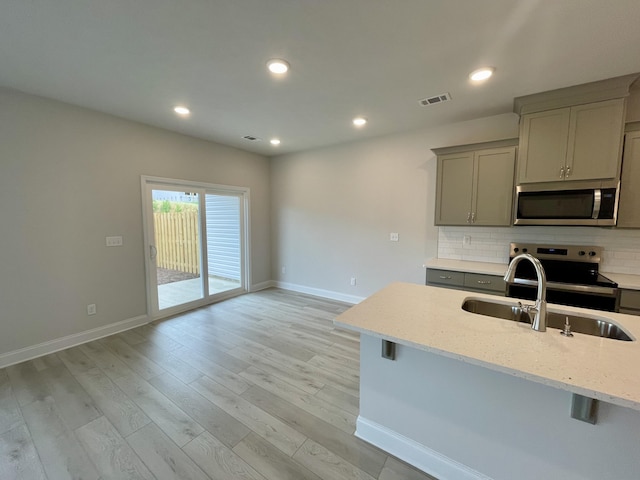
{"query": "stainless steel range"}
(573, 276)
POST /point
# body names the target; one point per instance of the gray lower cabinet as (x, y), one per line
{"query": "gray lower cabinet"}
(630, 302)
(445, 278)
(476, 282)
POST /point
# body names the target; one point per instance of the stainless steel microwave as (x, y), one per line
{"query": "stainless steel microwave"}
(567, 203)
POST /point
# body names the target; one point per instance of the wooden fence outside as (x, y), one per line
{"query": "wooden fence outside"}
(177, 241)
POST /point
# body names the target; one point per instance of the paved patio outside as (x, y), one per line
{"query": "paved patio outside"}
(177, 293)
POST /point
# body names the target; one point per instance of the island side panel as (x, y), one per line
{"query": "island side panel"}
(456, 420)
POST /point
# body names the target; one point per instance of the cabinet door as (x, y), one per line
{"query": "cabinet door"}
(595, 139)
(493, 198)
(629, 203)
(543, 146)
(454, 188)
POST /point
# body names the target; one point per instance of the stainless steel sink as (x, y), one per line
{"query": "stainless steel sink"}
(590, 325)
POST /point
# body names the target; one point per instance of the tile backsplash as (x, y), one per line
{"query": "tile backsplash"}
(491, 244)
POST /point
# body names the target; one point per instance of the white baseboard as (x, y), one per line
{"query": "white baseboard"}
(318, 292)
(52, 346)
(414, 453)
(262, 286)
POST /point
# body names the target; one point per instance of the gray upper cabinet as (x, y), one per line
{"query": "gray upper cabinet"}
(475, 184)
(454, 189)
(543, 145)
(581, 142)
(629, 203)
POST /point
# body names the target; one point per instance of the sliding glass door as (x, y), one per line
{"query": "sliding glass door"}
(195, 235)
(223, 233)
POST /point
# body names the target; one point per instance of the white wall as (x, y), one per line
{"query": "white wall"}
(333, 208)
(68, 178)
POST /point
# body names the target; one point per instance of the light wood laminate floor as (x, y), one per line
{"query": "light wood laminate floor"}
(258, 387)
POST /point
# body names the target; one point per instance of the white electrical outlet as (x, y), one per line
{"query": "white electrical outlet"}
(466, 240)
(353, 281)
(91, 309)
(114, 241)
(394, 237)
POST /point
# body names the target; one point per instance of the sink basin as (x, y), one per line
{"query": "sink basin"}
(590, 325)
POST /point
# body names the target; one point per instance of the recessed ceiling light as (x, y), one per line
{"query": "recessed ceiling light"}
(359, 121)
(481, 74)
(180, 110)
(278, 66)
(274, 141)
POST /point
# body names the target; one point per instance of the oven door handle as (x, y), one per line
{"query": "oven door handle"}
(597, 201)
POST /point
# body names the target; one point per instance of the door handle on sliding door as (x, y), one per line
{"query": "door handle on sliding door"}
(153, 252)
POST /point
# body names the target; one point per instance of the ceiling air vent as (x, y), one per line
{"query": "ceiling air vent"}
(251, 138)
(443, 97)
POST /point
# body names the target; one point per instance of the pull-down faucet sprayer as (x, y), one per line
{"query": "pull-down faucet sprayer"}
(539, 321)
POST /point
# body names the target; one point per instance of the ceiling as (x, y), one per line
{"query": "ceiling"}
(375, 58)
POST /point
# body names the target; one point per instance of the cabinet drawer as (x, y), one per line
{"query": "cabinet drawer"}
(491, 283)
(445, 277)
(629, 301)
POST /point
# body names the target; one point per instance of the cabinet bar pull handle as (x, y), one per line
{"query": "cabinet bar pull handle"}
(484, 282)
(567, 172)
(469, 217)
(562, 172)
(473, 217)
(444, 277)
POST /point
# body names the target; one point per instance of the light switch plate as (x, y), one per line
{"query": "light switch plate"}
(394, 237)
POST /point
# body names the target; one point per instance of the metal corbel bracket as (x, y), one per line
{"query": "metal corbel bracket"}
(388, 350)
(584, 409)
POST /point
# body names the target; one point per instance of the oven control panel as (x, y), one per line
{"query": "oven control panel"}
(571, 253)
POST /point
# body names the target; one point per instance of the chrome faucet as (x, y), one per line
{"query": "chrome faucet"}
(539, 321)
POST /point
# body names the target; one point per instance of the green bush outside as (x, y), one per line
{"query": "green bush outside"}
(167, 206)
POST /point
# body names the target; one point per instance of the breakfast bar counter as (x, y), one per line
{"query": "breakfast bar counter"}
(431, 319)
(472, 396)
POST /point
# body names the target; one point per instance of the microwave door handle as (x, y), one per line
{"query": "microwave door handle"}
(597, 201)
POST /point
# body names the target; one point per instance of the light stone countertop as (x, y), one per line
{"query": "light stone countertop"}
(431, 319)
(631, 282)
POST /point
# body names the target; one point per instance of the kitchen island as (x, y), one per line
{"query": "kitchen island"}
(470, 396)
